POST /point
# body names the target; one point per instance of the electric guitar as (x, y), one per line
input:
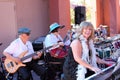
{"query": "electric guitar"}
(61, 51)
(12, 66)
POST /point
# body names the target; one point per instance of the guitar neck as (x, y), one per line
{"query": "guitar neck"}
(44, 49)
(66, 37)
(26, 57)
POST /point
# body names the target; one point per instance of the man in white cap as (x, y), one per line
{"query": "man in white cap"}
(20, 48)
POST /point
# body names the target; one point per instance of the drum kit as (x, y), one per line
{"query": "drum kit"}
(116, 47)
(104, 48)
(113, 46)
(116, 44)
(116, 52)
(116, 41)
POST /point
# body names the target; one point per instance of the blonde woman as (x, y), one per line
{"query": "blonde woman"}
(82, 54)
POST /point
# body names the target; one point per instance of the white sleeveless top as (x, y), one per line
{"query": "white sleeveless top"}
(85, 56)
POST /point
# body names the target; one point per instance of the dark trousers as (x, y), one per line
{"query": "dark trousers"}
(89, 73)
(2, 77)
(26, 71)
(53, 68)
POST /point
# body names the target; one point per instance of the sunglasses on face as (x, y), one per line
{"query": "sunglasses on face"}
(27, 34)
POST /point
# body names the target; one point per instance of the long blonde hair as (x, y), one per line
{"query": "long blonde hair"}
(82, 26)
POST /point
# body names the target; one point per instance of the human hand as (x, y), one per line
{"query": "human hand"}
(55, 55)
(39, 54)
(61, 43)
(96, 70)
(17, 60)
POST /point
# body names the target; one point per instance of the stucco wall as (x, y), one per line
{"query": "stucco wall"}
(33, 14)
(59, 11)
(7, 23)
(108, 14)
(18, 13)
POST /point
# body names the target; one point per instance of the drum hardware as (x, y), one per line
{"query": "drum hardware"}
(116, 37)
(115, 55)
(116, 44)
(103, 44)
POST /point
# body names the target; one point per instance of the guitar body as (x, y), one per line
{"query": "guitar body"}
(12, 66)
(61, 52)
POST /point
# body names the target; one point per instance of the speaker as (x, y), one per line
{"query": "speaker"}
(38, 43)
(80, 14)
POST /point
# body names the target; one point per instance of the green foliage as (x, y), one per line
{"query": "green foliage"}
(72, 15)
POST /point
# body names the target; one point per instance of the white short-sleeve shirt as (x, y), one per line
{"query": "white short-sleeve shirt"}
(51, 39)
(17, 47)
